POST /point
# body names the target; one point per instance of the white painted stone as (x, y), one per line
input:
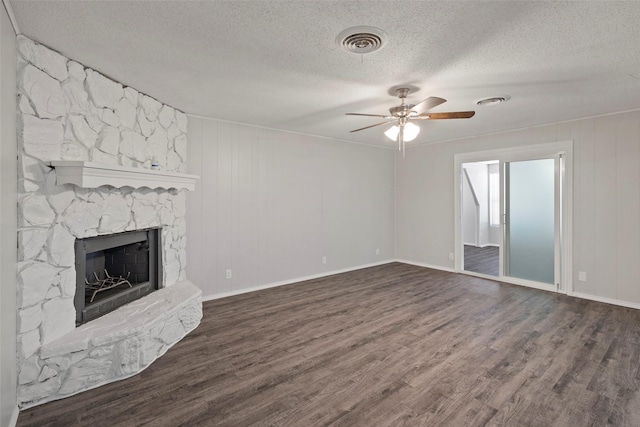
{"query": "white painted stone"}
(181, 225)
(59, 196)
(173, 161)
(60, 363)
(70, 349)
(82, 131)
(166, 216)
(172, 330)
(77, 98)
(47, 373)
(41, 138)
(181, 121)
(30, 371)
(166, 115)
(182, 258)
(27, 186)
(85, 373)
(163, 198)
(172, 271)
(24, 105)
(109, 140)
(109, 117)
(78, 356)
(53, 292)
(158, 143)
(29, 342)
(146, 127)
(129, 356)
(132, 95)
(29, 318)
(103, 92)
(45, 59)
(31, 168)
(143, 215)
(30, 242)
(126, 113)
(82, 219)
(58, 318)
(101, 157)
(116, 216)
(180, 204)
(150, 106)
(60, 245)
(68, 282)
(72, 150)
(76, 71)
(134, 146)
(36, 211)
(123, 160)
(43, 91)
(39, 390)
(35, 279)
(94, 122)
(101, 351)
(173, 132)
(180, 146)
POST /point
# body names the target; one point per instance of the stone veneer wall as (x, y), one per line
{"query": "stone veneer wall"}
(69, 112)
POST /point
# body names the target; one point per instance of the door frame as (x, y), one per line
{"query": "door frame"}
(548, 150)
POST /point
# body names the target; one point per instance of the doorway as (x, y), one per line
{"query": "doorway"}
(513, 211)
(481, 216)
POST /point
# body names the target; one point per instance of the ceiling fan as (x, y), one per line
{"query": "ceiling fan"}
(403, 114)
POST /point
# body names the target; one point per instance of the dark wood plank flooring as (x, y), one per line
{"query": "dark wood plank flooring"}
(482, 260)
(385, 346)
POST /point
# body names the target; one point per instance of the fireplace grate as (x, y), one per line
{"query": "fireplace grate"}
(109, 282)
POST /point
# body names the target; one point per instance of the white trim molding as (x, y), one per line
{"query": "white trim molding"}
(93, 175)
(421, 264)
(606, 300)
(292, 281)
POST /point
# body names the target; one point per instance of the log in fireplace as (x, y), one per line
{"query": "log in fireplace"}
(114, 269)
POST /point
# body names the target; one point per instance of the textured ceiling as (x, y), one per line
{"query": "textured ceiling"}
(276, 64)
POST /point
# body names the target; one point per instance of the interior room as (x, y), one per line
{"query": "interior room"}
(319, 213)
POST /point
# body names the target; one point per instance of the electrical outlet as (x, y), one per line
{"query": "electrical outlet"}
(229, 275)
(324, 259)
(377, 251)
(451, 256)
(582, 276)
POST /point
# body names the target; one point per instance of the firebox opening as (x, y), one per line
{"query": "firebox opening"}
(115, 269)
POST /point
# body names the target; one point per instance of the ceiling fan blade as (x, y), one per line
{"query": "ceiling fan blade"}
(451, 115)
(377, 124)
(427, 104)
(368, 115)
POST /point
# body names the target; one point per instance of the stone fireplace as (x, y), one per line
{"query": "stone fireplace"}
(70, 115)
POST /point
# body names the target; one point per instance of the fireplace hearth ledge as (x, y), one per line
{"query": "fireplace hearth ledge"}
(117, 345)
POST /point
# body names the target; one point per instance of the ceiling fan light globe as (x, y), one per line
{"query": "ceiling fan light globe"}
(411, 131)
(392, 132)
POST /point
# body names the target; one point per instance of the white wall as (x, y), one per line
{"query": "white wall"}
(8, 221)
(270, 204)
(470, 213)
(606, 225)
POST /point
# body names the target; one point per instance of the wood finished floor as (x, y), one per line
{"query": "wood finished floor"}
(385, 346)
(482, 260)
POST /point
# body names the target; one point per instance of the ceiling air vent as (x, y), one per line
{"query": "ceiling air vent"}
(361, 40)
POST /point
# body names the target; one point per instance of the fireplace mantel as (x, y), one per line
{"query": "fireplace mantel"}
(93, 175)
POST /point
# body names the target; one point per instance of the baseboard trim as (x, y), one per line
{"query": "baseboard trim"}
(420, 264)
(606, 300)
(291, 281)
